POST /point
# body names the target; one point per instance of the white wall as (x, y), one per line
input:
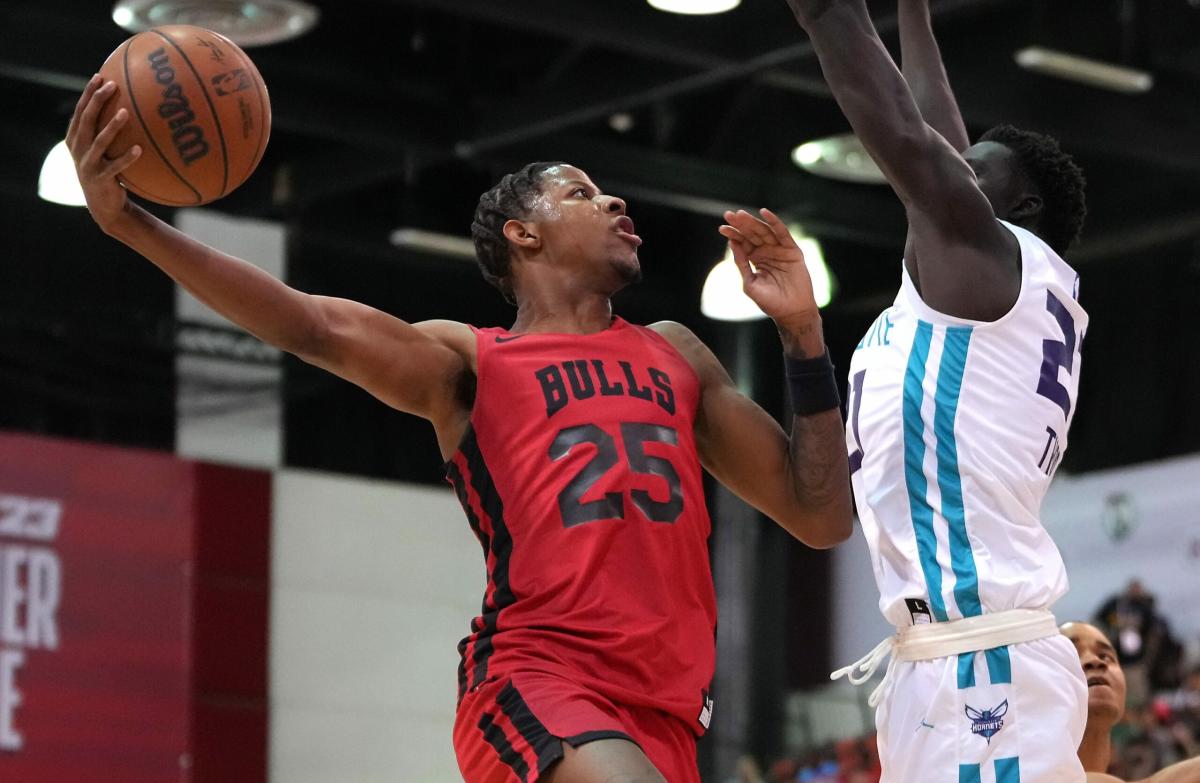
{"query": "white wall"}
(1143, 522)
(1152, 533)
(374, 584)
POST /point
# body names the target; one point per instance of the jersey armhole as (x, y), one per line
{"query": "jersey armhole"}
(682, 358)
(927, 313)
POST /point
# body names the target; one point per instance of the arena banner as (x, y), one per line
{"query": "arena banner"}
(99, 579)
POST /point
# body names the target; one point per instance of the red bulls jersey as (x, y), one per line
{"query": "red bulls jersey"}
(580, 477)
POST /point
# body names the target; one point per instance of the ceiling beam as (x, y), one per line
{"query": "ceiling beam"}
(708, 187)
(1124, 242)
(596, 24)
(559, 118)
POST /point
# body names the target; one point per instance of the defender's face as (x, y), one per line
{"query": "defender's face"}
(579, 223)
(1106, 681)
(995, 168)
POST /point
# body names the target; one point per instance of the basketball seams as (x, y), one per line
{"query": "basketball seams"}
(264, 110)
(213, 109)
(145, 128)
(263, 113)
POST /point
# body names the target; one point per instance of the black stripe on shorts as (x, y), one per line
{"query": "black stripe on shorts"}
(547, 746)
(495, 737)
(591, 736)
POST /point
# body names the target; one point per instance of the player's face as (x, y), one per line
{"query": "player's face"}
(996, 171)
(581, 225)
(1106, 681)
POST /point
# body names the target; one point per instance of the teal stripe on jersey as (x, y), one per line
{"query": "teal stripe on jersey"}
(914, 470)
(968, 773)
(949, 386)
(999, 666)
(1007, 770)
(966, 670)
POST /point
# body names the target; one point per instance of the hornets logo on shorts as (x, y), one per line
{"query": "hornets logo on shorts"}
(987, 723)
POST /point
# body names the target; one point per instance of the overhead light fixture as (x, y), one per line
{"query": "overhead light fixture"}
(695, 7)
(58, 181)
(722, 298)
(838, 157)
(1084, 70)
(433, 242)
(621, 122)
(245, 22)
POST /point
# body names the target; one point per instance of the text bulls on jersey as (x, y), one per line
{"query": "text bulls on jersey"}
(582, 379)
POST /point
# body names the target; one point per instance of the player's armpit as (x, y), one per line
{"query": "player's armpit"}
(745, 449)
(416, 368)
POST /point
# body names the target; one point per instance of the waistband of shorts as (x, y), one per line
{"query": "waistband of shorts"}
(972, 634)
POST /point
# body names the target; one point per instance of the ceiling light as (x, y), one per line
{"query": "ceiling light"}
(245, 22)
(432, 242)
(58, 181)
(621, 122)
(722, 298)
(1081, 69)
(823, 283)
(695, 7)
(838, 157)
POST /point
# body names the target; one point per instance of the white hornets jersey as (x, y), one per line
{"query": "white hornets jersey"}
(955, 430)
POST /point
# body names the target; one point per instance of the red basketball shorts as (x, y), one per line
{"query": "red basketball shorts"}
(512, 729)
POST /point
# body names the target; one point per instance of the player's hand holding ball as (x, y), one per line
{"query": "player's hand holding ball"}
(98, 173)
(178, 115)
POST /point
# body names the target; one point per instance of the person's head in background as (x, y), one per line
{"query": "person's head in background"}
(1106, 692)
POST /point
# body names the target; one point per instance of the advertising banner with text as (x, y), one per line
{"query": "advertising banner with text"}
(95, 656)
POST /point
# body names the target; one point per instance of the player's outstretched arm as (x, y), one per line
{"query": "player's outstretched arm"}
(965, 260)
(415, 368)
(1183, 772)
(802, 481)
(923, 69)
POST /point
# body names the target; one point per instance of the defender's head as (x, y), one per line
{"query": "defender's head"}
(551, 219)
(1106, 681)
(1031, 183)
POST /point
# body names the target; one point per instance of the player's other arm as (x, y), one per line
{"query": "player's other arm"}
(965, 260)
(801, 481)
(415, 368)
(1183, 772)
(923, 69)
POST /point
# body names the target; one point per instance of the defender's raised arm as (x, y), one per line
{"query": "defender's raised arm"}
(963, 260)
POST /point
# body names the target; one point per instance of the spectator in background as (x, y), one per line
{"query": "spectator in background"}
(1142, 640)
(747, 771)
(1106, 704)
(1185, 701)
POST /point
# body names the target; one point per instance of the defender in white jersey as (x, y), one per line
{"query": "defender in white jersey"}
(961, 394)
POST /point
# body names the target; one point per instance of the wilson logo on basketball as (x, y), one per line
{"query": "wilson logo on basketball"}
(174, 108)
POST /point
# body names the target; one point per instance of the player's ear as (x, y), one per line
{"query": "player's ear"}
(522, 234)
(1028, 209)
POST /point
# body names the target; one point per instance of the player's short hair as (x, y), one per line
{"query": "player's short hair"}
(510, 199)
(1058, 179)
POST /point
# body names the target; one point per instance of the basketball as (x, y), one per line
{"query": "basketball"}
(198, 108)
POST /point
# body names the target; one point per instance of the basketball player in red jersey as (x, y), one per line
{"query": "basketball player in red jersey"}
(574, 441)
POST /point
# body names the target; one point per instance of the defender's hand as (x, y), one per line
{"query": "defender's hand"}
(106, 199)
(772, 266)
